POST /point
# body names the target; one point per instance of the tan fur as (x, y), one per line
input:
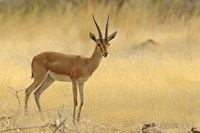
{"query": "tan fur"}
(73, 66)
(50, 66)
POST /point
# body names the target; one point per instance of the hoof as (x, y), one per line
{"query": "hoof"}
(78, 120)
(74, 121)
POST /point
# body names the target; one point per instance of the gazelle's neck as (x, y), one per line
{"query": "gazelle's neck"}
(94, 60)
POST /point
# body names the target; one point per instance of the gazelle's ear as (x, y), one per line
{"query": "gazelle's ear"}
(112, 36)
(92, 36)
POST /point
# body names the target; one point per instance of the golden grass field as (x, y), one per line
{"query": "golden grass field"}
(134, 85)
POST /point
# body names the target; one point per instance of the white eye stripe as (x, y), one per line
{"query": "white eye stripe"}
(100, 47)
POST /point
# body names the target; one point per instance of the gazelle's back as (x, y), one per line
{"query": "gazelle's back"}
(56, 62)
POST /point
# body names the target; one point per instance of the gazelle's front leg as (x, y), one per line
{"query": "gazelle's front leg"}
(74, 89)
(81, 85)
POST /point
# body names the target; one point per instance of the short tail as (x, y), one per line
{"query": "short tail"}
(32, 75)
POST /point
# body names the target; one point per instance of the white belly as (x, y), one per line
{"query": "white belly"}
(60, 77)
(65, 78)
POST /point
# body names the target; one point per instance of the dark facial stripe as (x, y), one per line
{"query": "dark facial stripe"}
(100, 48)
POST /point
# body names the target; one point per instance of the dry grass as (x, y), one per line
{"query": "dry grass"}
(130, 87)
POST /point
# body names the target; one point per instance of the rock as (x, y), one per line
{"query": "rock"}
(150, 128)
(195, 130)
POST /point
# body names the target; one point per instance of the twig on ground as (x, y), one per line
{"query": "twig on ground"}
(17, 95)
(60, 113)
(62, 123)
(4, 117)
(23, 128)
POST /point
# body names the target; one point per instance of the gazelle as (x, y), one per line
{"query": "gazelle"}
(50, 66)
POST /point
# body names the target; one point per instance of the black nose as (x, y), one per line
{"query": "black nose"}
(105, 54)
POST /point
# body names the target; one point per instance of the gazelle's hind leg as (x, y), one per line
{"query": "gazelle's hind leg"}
(29, 90)
(40, 74)
(41, 89)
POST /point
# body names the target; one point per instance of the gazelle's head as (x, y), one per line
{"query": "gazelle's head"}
(102, 43)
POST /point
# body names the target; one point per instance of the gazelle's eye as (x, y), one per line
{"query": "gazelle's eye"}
(108, 44)
(99, 45)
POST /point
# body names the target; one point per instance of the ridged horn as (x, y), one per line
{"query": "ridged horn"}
(106, 31)
(99, 31)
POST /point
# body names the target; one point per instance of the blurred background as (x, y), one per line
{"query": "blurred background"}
(152, 72)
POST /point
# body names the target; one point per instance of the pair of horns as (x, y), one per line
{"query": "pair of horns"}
(99, 31)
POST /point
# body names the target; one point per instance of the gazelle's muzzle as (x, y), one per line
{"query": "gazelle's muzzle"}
(104, 51)
(105, 54)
